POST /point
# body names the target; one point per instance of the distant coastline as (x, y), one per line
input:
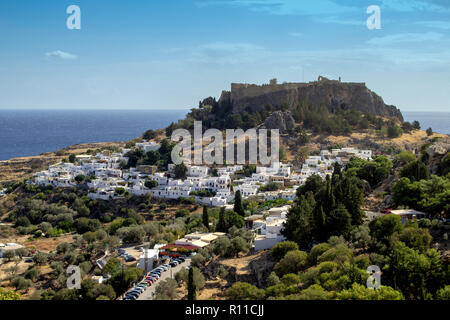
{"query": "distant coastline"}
(33, 132)
(438, 121)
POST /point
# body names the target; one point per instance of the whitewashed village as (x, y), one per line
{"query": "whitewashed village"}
(108, 181)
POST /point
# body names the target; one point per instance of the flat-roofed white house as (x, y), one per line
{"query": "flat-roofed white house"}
(268, 232)
(197, 171)
(152, 256)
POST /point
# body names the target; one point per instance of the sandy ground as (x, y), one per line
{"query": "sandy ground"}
(41, 244)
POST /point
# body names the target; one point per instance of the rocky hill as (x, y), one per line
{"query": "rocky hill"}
(331, 93)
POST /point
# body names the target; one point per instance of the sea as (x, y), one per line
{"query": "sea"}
(438, 121)
(33, 132)
(26, 133)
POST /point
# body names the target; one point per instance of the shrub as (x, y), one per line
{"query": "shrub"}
(244, 291)
(280, 249)
(293, 262)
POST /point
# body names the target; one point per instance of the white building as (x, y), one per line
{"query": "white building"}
(148, 146)
(268, 232)
(152, 256)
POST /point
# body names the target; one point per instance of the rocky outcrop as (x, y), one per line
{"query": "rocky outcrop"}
(280, 120)
(331, 93)
(438, 149)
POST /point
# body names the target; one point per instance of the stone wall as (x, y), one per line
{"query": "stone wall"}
(332, 93)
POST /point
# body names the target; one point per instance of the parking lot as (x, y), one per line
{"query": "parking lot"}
(149, 293)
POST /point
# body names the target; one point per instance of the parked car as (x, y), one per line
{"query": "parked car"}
(138, 289)
(134, 295)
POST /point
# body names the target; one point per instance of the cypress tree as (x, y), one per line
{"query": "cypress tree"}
(238, 207)
(205, 217)
(191, 286)
(320, 225)
(221, 227)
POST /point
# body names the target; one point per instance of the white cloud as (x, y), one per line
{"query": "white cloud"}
(416, 5)
(286, 7)
(247, 55)
(405, 38)
(61, 55)
(444, 25)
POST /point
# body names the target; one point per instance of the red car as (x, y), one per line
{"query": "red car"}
(149, 282)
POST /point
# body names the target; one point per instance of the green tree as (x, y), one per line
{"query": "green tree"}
(150, 184)
(40, 258)
(149, 135)
(205, 217)
(384, 227)
(299, 226)
(9, 295)
(339, 221)
(238, 244)
(166, 290)
(293, 262)
(222, 246)
(180, 171)
(221, 225)
(280, 249)
(9, 255)
(418, 239)
(415, 171)
(191, 286)
(238, 207)
(22, 284)
(359, 292)
(394, 131)
(273, 279)
(414, 273)
(442, 294)
(32, 274)
(80, 178)
(405, 157)
(244, 291)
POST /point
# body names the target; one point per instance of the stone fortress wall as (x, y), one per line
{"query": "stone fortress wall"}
(331, 93)
(244, 90)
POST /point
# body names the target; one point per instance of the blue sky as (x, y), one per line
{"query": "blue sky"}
(146, 54)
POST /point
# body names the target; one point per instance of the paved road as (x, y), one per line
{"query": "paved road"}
(148, 294)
